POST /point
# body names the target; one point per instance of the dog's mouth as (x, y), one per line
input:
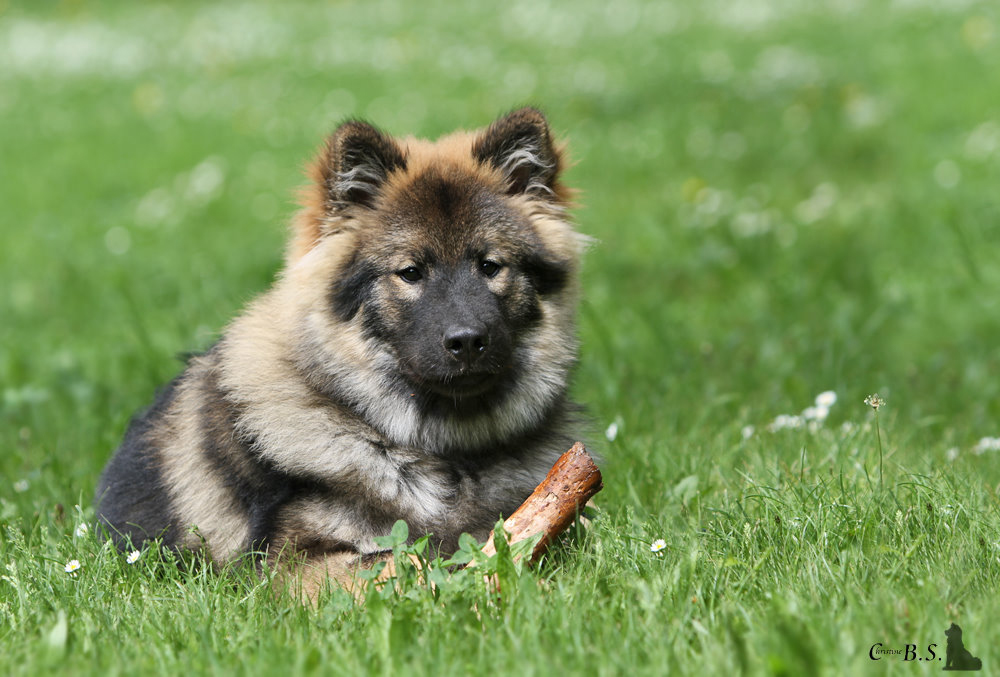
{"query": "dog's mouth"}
(462, 385)
(455, 386)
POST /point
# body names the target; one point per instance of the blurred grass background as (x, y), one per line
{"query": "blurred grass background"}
(787, 197)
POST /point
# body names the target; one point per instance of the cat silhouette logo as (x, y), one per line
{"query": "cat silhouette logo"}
(957, 656)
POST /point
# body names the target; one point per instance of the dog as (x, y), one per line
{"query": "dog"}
(411, 362)
(957, 657)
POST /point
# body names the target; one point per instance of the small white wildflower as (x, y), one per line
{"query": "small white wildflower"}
(21, 486)
(82, 530)
(132, 557)
(816, 413)
(783, 421)
(826, 399)
(951, 454)
(72, 566)
(747, 432)
(986, 444)
(947, 174)
(612, 432)
(658, 546)
(874, 401)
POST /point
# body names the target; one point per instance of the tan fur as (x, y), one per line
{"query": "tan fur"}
(306, 578)
(205, 505)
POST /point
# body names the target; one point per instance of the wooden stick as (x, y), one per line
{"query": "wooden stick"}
(555, 503)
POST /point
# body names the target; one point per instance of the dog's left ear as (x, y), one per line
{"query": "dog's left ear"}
(520, 146)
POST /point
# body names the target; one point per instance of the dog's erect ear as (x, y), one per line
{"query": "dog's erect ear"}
(520, 145)
(357, 161)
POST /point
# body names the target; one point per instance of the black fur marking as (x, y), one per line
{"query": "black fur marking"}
(369, 559)
(132, 500)
(444, 194)
(352, 289)
(316, 547)
(456, 301)
(533, 314)
(441, 406)
(547, 277)
(375, 327)
(380, 447)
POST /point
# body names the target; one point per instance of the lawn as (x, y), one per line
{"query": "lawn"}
(787, 198)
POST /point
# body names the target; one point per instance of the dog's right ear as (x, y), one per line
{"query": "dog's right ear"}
(355, 164)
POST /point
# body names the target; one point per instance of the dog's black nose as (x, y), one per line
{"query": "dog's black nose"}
(466, 344)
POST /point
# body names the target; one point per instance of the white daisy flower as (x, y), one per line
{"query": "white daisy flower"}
(826, 399)
(783, 421)
(658, 546)
(612, 432)
(72, 566)
(986, 444)
(82, 530)
(132, 557)
(816, 413)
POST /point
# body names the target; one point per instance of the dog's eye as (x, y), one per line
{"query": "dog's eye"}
(411, 274)
(489, 268)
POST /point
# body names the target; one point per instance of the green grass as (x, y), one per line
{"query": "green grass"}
(787, 198)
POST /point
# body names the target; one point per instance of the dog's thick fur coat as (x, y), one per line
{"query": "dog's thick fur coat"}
(411, 362)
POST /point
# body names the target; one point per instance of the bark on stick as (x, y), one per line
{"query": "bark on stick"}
(555, 503)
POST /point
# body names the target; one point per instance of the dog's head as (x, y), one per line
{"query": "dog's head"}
(454, 278)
